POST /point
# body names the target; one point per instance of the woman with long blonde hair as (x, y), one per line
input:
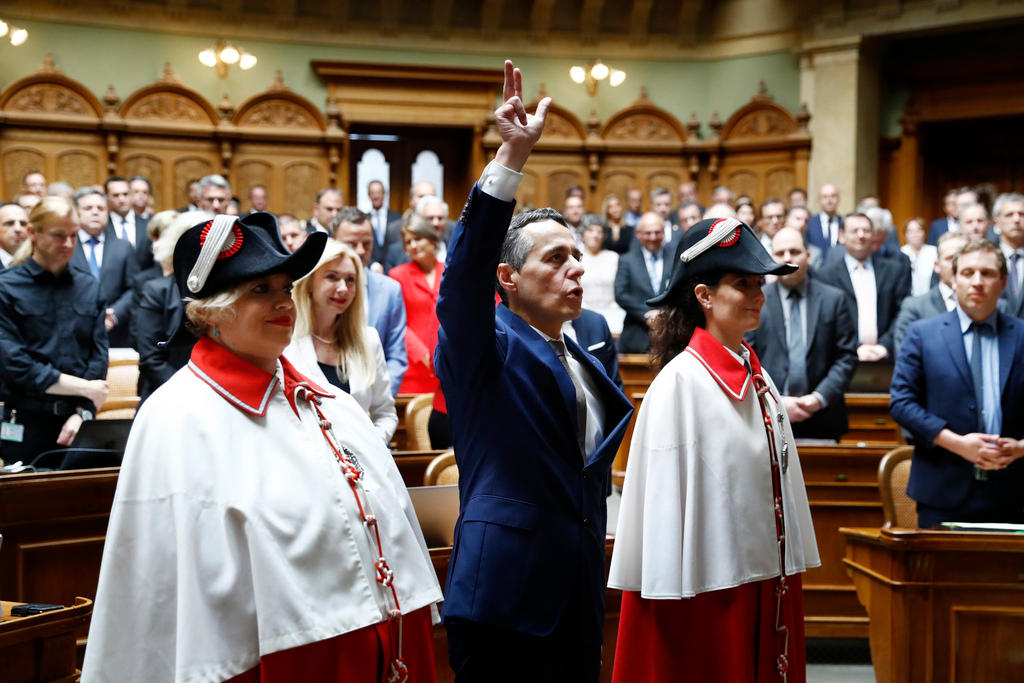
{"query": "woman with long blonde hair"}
(332, 340)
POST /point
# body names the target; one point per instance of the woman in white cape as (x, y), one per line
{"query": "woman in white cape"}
(260, 530)
(332, 342)
(714, 528)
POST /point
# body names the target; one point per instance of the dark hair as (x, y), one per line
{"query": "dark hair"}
(149, 185)
(113, 179)
(678, 317)
(574, 189)
(321, 193)
(517, 243)
(767, 202)
(349, 214)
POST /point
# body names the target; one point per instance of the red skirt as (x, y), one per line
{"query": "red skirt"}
(725, 636)
(361, 656)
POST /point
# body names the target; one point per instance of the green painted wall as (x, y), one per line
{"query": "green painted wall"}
(129, 60)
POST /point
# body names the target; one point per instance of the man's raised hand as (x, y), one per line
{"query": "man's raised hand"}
(519, 130)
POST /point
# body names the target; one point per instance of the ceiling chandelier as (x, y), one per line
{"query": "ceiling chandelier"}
(596, 71)
(223, 54)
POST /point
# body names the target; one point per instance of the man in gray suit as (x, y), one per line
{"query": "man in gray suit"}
(937, 300)
(1009, 214)
(643, 271)
(807, 340)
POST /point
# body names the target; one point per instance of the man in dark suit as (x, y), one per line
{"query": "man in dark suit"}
(124, 224)
(958, 387)
(1009, 212)
(112, 261)
(823, 227)
(875, 297)
(808, 341)
(381, 257)
(591, 332)
(948, 222)
(535, 423)
(381, 216)
(661, 204)
(939, 299)
(643, 271)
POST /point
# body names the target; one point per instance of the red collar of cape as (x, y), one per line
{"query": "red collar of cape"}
(723, 366)
(241, 383)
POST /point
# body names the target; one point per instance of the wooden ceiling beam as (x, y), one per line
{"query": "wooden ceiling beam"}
(490, 18)
(638, 20)
(441, 17)
(590, 21)
(540, 19)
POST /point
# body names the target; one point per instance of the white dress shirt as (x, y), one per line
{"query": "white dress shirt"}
(124, 226)
(862, 274)
(84, 238)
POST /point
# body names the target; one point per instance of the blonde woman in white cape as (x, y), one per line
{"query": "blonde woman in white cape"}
(714, 528)
(332, 341)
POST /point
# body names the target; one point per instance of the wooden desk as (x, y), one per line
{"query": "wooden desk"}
(41, 647)
(399, 440)
(944, 606)
(412, 465)
(870, 421)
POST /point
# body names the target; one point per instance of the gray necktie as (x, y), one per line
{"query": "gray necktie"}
(581, 399)
(797, 377)
(1015, 274)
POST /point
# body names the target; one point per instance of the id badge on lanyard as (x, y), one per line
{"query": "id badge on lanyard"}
(10, 430)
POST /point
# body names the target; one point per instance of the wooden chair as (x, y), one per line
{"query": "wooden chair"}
(417, 414)
(442, 470)
(123, 399)
(898, 509)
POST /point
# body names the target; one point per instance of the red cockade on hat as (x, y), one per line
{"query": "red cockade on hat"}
(231, 247)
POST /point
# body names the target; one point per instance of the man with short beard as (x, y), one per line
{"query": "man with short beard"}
(110, 260)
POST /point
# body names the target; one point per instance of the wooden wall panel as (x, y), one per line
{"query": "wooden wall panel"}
(169, 133)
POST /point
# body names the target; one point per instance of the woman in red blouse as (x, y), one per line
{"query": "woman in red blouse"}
(421, 281)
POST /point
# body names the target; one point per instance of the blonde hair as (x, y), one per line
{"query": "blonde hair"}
(48, 211)
(203, 314)
(348, 334)
(163, 247)
(159, 222)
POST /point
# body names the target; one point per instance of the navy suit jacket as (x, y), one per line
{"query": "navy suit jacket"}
(939, 227)
(164, 342)
(531, 529)
(392, 234)
(594, 337)
(831, 353)
(117, 276)
(816, 236)
(385, 312)
(632, 290)
(892, 284)
(932, 389)
(143, 245)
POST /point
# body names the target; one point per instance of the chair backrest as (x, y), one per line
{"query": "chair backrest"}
(893, 474)
(442, 470)
(417, 415)
(123, 378)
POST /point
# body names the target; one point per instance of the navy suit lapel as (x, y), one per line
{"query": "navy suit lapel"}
(813, 313)
(776, 317)
(954, 340)
(542, 349)
(1007, 346)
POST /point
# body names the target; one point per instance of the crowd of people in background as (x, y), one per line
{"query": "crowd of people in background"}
(885, 278)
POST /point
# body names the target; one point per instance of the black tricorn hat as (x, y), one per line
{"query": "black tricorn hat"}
(237, 250)
(719, 244)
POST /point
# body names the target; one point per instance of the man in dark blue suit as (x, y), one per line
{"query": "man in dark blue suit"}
(110, 260)
(958, 387)
(123, 223)
(535, 425)
(948, 222)
(823, 227)
(642, 273)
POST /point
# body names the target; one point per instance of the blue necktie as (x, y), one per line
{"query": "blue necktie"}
(94, 266)
(797, 377)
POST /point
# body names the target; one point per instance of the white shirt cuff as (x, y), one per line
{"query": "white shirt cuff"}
(821, 399)
(500, 182)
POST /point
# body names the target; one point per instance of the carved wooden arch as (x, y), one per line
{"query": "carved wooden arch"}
(561, 124)
(50, 92)
(279, 107)
(169, 101)
(762, 117)
(643, 122)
